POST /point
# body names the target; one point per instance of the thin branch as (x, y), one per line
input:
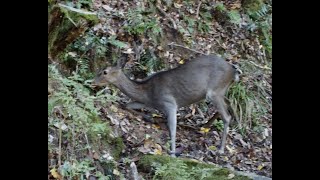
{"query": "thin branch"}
(259, 66)
(77, 10)
(177, 45)
(167, 16)
(60, 140)
(198, 9)
(200, 112)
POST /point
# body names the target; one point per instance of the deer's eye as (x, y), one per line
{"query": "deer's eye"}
(105, 72)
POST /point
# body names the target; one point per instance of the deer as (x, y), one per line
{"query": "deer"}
(207, 77)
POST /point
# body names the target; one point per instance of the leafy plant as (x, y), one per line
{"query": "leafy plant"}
(261, 19)
(81, 170)
(73, 114)
(139, 24)
(82, 49)
(220, 7)
(180, 170)
(234, 17)
(249, 101)
(219, 125)
(150, 63)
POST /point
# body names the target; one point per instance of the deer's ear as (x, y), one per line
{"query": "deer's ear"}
(122, 61)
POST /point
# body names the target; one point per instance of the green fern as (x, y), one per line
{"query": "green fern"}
(234, 17)
(139, 24)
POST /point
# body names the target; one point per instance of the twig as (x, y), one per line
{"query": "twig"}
(77, 10)
(198, 9)
(85, 135)
(172, 44)
(259, 66)
(60, 151)
(72, 21)
(200, 112)
(167, 16)
(187, 126)
(197, 18)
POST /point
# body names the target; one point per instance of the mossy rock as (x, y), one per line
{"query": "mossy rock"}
(189, 168)
(65, 24)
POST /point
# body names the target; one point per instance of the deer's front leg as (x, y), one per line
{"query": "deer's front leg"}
(171, 112)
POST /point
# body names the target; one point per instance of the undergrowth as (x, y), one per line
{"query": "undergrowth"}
(250, 100)
(181, 169)
(76, 130)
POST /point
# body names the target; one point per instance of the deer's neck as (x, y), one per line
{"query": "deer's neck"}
(135, 90)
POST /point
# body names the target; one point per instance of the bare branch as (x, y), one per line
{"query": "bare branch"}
(177, 45)
(168, 17)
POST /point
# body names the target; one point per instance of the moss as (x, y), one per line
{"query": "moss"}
(64, 26)
(117, 147)
(76, 16)
(213, 172)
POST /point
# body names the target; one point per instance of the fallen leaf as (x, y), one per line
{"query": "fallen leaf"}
(191, 11)
(116, 172)
(113, 120)
(143, 150)
(230, 150)
(95, 156)
(193, 109)
(204, 130)
(61, 125)
(128, 51)
(260, 167)
(176, 5)
(72, 54)
(108, 8)
(55, 174)
(107, 156)
(113, 108)
(230, 176)
(156, 115)
(212, 148)
(50, 139)
(155, 126)
(166, 54)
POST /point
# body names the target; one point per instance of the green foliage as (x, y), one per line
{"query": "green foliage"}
(175, 170)
(220, 7)
(249, 103)
(165, 167)
(80, 52)
(75, 100)
(72, 105)
(261, 19)
(218, 124)
(190, 22)
(112, 40)
(139, 24)
(80, 170)
(234, 17)
(150, 63)
(205, 24)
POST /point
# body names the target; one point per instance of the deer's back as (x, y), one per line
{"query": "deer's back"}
(190, 82)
